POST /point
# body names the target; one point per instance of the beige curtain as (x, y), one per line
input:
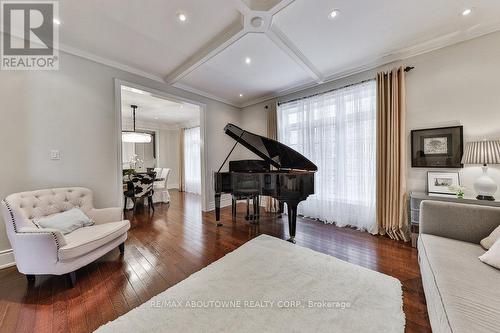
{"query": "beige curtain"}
(392, 216)
(181, 159)
(272, 205)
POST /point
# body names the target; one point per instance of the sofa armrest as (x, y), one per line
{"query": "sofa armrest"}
(36, 250)
(105, 215)
(465, 222)
(56, 235)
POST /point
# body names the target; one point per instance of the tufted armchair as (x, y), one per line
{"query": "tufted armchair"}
(48, 251)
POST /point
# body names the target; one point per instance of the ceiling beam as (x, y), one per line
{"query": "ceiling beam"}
(229, 36)
(236, 31)
(279, 38)
(280, 6)
(242, 7)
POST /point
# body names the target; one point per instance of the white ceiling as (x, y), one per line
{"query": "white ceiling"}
(156, 111)
(296, 44)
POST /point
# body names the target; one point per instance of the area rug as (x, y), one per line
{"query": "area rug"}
(270, 285)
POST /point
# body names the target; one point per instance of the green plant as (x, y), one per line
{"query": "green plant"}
(459, 191)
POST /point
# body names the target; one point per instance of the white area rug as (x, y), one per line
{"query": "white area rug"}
(270, 285)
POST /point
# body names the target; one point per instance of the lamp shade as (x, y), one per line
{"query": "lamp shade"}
(482, 152)
(136, 137)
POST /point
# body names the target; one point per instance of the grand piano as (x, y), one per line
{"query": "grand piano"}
(291, 182)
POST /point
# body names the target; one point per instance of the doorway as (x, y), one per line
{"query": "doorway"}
(154, 128)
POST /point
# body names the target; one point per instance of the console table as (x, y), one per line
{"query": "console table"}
(417, 197)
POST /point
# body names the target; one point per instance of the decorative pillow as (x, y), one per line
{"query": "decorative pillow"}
(492, 256)
(66, 222)
(491, 239)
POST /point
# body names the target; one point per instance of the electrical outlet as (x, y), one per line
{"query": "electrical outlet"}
(55, 155)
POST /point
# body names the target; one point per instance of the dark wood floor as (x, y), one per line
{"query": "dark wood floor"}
(168, 246)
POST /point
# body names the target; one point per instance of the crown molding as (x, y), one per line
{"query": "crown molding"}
(237, 31)
(205, 94)
(107, 62)
(437, 43)
(114, 64)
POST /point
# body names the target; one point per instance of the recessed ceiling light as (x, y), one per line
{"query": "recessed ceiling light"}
(467, 12)
(241, 95)
(182, 17)
(56, 21)
(334, 13)
(248, 61)
(156, 118)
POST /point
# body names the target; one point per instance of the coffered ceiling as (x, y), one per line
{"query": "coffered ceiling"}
(245, 51)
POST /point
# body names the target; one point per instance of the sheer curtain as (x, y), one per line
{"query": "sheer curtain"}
(192, 161)
(336, 130)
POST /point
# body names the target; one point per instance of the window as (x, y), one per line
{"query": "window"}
(336, 130)
(192, 160)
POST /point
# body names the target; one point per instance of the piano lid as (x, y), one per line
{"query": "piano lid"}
(272, 151)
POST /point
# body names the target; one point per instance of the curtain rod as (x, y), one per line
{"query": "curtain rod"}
(406, 69)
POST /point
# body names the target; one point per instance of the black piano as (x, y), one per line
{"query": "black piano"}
(291, 182)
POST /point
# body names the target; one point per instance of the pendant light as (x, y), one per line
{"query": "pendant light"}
(133, 136)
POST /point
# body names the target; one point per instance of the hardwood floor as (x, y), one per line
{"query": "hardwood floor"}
(166, 247)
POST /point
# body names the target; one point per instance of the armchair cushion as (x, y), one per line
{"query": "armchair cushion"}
(66, 222)
(87, 239)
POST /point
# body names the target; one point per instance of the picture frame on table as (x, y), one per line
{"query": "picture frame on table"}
(437, 147)
(442, 182)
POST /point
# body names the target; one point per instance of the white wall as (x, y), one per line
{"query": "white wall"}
(459, 84)
(169, 155)
(452, 86)
(73, 110)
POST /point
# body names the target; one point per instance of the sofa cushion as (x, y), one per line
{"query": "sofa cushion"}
(66, 222)
(460, 290)
(492, 256)
(491, 239)
(84, 240)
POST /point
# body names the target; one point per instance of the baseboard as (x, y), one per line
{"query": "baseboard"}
(6, 259)
(225, 200)
(172, 186)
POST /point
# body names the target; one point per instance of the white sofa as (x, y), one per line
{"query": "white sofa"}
(48, 251)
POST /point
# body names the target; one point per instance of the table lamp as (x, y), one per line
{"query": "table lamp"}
(483, 152)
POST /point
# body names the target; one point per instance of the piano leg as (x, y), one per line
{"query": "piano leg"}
(255, 206)
(258, 207)
(292, 220)
(233, 208)
(281, 207)
(248, 209)
(217, 209)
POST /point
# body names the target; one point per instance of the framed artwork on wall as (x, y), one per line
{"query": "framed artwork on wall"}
(437, 147)
(442, 182)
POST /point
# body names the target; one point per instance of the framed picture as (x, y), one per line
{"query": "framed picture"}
(440, 182)
(437, 147)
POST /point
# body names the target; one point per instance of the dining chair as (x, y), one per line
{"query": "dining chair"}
(160, 185)
(140, 187)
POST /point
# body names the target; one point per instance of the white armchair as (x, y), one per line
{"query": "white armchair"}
(160, 187)
(48, 251)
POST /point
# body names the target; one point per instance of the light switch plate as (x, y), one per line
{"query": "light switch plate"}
(55, 155)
